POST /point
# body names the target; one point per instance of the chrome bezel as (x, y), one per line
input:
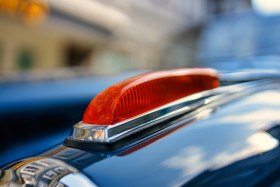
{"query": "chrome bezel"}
(112, 133)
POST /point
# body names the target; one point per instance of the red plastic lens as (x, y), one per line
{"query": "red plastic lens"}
(145, 92)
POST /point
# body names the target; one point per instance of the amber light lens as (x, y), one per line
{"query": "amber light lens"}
(145, 92)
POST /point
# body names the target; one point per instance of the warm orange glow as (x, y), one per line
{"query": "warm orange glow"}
(54, 151)
(9, 6)
(25, 162)
(145, 92)
(34, 12)
(31, 11)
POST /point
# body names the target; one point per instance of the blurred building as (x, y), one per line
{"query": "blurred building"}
(183, 46)
(227, 6)
(102, 36)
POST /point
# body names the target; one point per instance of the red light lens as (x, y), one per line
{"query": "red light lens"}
(145, 92)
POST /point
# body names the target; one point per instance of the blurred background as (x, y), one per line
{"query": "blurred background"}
(55, 56)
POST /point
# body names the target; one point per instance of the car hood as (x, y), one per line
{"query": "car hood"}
(235, 141)
(238, 135)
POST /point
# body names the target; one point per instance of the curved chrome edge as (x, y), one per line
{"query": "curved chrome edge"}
(43, 172)
(249, 75)
(110, 133)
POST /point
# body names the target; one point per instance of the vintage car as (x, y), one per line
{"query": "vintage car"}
(179, 127)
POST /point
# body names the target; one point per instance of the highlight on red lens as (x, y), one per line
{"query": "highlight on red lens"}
(145, 92)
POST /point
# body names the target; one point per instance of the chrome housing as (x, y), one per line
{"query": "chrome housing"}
(91, 133)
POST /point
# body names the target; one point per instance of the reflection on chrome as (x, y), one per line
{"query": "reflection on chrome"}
(42, 171)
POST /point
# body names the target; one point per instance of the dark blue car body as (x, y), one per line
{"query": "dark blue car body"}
(228, 144)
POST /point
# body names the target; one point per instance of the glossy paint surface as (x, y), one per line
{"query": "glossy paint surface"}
(44, 112)
(238, 143)
(237, 131)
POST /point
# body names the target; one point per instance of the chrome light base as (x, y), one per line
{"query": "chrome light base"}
(103, 137)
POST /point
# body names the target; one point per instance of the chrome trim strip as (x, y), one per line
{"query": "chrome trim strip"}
(249, 75)
(111, 133)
